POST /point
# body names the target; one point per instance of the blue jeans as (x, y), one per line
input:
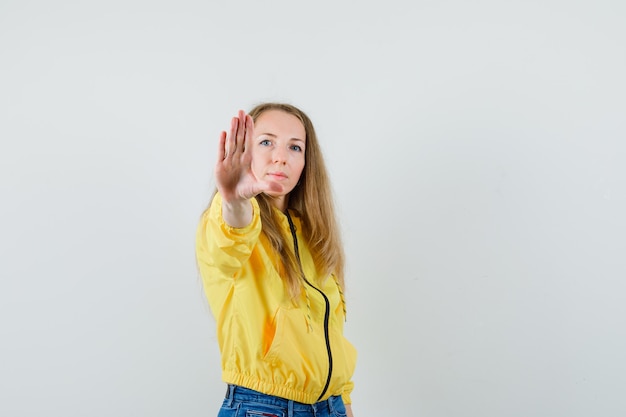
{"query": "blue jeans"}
(244, 402)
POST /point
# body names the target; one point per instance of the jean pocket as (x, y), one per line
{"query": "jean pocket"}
(260, 410)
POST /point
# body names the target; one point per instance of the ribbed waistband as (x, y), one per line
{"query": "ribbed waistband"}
(237, 393)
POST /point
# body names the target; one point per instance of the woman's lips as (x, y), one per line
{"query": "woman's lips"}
(277, 175)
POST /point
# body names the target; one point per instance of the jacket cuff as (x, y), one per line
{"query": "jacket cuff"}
(347, 390)
(216, 212)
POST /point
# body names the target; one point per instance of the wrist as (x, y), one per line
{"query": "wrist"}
(237, 213)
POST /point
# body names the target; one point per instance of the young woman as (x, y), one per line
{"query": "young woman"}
(270, 256)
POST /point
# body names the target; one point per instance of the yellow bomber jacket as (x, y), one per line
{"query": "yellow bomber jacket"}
(268, 342)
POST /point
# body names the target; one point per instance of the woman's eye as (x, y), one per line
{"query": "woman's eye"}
(296, 148)
(265, 142)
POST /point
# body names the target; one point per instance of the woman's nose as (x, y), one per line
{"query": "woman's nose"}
(279, 155)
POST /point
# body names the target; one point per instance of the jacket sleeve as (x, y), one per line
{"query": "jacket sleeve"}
(347, 390)
(222, 250)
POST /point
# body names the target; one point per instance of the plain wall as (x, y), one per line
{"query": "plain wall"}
(477, 150)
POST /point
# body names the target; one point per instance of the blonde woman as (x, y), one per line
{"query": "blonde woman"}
(272, 265)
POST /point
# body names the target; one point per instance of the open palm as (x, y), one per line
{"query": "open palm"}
(233, 170)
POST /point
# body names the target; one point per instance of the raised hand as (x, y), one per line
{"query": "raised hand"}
(233, 172)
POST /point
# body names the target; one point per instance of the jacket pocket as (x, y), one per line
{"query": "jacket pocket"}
(296, 349)
(285, 321)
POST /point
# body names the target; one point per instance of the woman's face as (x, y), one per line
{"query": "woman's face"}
(278, 151)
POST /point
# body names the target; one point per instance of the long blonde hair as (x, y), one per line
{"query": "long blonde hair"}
(312, 200)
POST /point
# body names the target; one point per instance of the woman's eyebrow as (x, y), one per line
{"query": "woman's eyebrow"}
(275, 136)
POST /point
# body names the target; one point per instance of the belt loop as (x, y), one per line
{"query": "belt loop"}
(230, 395)
(290, 408)
(331, 405)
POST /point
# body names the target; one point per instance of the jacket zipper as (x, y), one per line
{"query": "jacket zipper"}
(292, 227)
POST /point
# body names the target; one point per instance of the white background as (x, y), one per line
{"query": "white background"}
(477, 150)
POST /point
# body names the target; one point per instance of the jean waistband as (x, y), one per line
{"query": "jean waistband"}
(239, 393)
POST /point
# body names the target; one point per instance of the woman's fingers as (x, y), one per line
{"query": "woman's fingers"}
(231, 140)
(249, 133)
(233, 171)
(221, 147)
(241, 131)
(240, 127)
(258, 187)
